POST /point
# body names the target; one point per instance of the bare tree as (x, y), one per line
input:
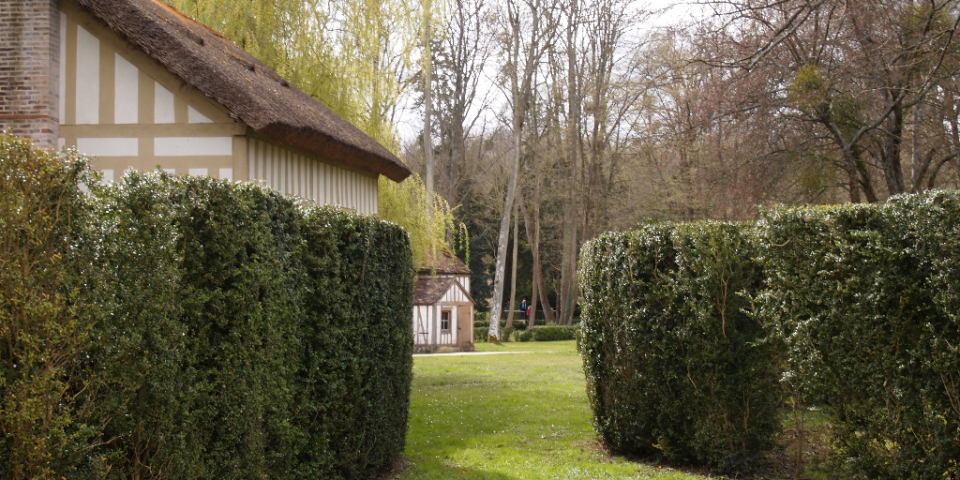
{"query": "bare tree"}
(459, 57)
(528, 28)
(853, 68)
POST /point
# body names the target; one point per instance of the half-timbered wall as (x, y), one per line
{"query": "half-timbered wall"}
(426, 324)
(449, 336)
(125, 110)
(463, 279)
(454, 295)
(422, 324)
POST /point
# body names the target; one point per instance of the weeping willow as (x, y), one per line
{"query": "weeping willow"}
(355, 57)
(425, 215)
(350, 55)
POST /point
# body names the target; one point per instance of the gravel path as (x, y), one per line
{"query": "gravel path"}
(458, 354)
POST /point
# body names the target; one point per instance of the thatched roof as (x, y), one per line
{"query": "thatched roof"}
(429, 289)
(253, 92)
(445, 263)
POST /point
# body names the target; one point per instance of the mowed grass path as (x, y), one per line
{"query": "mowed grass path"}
(505, 417)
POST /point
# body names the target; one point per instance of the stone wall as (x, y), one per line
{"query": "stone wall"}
(30, 69)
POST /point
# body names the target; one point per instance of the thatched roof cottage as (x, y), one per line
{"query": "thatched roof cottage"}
(442, 306)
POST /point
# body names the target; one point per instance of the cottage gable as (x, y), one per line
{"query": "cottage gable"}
(122, 107)
(127, 110)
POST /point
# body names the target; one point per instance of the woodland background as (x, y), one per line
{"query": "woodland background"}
(539, 124)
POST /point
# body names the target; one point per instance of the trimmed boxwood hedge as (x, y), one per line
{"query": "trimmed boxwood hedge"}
(853, 307)
(674, 364)
(228, 332)
(550, 333)
(864, 301)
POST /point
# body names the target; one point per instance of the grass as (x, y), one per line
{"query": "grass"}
(505, 417)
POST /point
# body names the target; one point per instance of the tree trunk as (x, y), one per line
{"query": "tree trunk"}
(916, 156)
(539, 285)
(575, 285)
(570, 228)
(493, 333)
(866, 183)
(427, 97)
(513, 269)
(853, 178)
(892, 168)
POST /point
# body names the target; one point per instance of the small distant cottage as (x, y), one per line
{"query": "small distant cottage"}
(136, 84)
(443, 307)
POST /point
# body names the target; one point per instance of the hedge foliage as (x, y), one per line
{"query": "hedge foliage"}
(550, 333)
(674, 364)
(226, 332)
(864, 300)
(43, 331)
(853, 308)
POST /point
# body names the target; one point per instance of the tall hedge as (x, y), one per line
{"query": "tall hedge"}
(358, 347)
(228, 332)
(675, 366)
(864, 300)
(853, 307)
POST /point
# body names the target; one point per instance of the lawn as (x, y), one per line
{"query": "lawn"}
(512, 416)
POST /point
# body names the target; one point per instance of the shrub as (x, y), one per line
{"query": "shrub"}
(141, 350)
(259, 318)
(674, 364)
(358, 354)
(859, 304)
(225, 332)
(481, 325)
(525, 335)
(863, 299)
(549, 333)
(44, 326)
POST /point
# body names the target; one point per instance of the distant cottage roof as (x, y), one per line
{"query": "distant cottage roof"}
(445, 263)
(253, 92)
(429, 290)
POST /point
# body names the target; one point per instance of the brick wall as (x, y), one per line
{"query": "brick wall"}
(30, 69)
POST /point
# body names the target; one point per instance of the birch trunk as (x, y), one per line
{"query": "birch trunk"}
(513, 270)
(493, 333)
(520, 97)
(428, 97)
